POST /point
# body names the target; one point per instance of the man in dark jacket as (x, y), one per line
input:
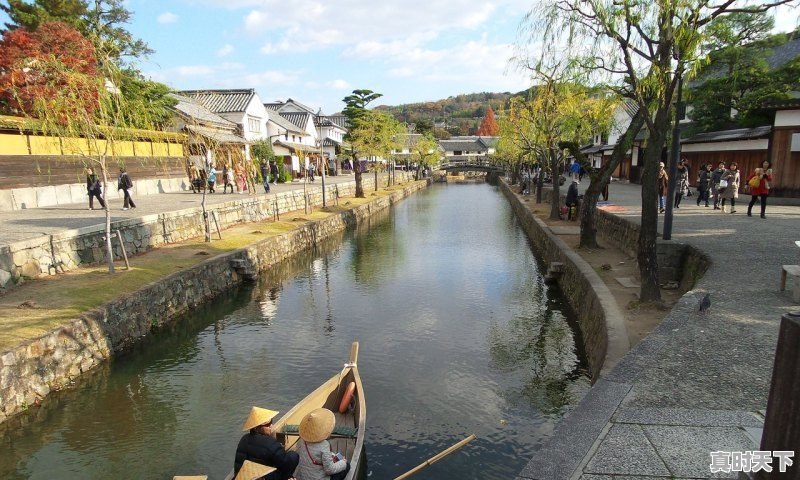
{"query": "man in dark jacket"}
(572, 198)
(259, 446)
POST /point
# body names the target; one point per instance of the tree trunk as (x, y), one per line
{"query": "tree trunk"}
(357, 172)
(599, 178)
(555, 201)
(104, 196)
(647, 255)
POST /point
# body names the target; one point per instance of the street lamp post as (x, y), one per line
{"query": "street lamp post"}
(322, 158)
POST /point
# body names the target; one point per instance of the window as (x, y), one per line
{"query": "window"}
(254, 124)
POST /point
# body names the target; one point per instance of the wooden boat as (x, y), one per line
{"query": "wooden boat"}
(348, 433)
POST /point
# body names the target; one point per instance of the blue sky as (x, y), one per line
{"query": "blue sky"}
(318, 52)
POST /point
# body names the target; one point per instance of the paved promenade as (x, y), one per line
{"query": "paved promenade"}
(699, 382)
(31, 223)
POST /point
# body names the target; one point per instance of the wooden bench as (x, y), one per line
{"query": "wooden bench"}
(794, 272)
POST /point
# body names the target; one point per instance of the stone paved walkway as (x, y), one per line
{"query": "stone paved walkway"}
(699, 382)
(30, 223)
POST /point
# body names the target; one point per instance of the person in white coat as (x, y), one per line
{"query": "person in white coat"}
(317, 462)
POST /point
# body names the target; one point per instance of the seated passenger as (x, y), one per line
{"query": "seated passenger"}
(317, 462)
(259, 446)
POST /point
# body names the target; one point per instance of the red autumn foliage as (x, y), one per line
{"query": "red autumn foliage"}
(488, 126)
(54, 63)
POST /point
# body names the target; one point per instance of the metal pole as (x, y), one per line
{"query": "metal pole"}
(781, 425)
(322, 162)
(675, 154)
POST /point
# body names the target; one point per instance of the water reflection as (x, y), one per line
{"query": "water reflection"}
(458, 335)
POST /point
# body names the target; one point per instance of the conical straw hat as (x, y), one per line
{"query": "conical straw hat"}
(258, 416)
(252, 471)
(317, 425)
(190, 477)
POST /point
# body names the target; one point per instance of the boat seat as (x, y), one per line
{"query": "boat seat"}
(339, 431)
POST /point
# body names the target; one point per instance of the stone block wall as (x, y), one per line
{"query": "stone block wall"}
(72, 248)
(677, 262)
(31, 371)
(601, 322)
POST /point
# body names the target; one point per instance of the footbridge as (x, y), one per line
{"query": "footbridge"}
(469, 165)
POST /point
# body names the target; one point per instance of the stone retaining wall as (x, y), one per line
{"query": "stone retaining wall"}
(677, 262)
(29, 372)
(601, 322)
(72, 248)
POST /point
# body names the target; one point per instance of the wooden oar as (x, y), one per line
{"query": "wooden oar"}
(437, 457)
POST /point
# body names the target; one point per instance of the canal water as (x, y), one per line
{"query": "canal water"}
(459, 334)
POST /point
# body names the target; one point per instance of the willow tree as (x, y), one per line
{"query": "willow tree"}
(57, 80)
(558, 109)
(645, 48)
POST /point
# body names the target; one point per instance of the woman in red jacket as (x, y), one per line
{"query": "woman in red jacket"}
(764, 176)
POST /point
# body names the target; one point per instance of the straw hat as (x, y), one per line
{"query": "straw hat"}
(252, 471)
(317, 425)
(258, 416)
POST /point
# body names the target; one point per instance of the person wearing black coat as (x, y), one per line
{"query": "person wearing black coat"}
(572, 198)
(259, 446)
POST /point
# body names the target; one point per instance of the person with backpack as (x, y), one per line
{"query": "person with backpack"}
(124, 183)
(703, 183)
(759, 184)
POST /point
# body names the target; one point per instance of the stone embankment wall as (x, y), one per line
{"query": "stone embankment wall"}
(601, 322)
(677, 262)
(73, 248)
(31, 371)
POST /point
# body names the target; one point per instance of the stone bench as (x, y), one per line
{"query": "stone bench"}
(794, 272)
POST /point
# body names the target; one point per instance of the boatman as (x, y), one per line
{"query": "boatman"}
(258, 445)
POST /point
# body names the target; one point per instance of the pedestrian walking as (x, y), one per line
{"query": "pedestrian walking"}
(124, 183)
(273, 170)
(264, 166)
(238, 174)
(682, 179)
(759, 183)
(227, 179)
(732, 189)
(703, 183)
(663, 182)
(212, 178)
(94, 188)
(194, 178)
(716, 177)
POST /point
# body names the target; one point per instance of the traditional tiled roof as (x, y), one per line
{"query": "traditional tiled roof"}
(216, 135)
(340, 120)
(273, 106)
(195, 112)
(787, 104)
(222, 101)
(329, 142)
(462, 144)
(490, 142)
(285, 124)
(298, 119)
(19, 124)
(731, 135)
(630, 107)
(300, 106)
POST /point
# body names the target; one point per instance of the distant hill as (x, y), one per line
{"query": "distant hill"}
(460, 115)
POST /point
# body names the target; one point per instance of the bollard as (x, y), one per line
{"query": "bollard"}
(782, 423)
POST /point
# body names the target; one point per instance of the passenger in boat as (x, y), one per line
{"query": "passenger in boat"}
(259, 446)
(317, 462)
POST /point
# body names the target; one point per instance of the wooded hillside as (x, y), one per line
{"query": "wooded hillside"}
(461, 114)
